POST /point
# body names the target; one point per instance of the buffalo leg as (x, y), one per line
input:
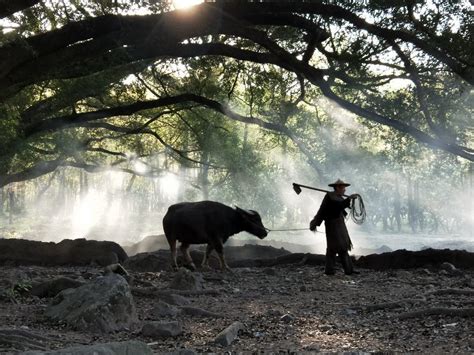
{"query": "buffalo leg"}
(185, 250)
(220, 252)
(174, 263)
(205, 260)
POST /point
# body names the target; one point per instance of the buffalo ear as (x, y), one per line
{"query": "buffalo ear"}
(241, 211)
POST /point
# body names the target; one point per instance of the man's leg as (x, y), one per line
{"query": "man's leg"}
(330, 262)
(346, 262)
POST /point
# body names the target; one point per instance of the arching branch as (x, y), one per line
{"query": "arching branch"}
(9, 7)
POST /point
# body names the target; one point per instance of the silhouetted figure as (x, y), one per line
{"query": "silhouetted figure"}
(332, 212)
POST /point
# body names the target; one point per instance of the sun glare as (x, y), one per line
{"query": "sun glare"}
(170, 185)
(139, 167)
(185, 4)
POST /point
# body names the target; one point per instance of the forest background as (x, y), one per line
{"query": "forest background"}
(113, 110)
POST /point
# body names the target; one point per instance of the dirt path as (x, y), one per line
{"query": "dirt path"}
(291, 308)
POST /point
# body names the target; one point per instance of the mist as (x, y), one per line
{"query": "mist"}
(419, 200)
(124, 208)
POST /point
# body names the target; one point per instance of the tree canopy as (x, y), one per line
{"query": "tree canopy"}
(102, 84)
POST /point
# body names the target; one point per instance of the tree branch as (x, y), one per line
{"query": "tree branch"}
(9, 7)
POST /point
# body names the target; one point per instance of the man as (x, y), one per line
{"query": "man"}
(332, 212)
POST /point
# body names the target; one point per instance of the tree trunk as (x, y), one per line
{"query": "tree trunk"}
(411, 206)
(83, 183)
(397, 211)
(11, 204)
(418, 209)
(2, 200)
(204, 176)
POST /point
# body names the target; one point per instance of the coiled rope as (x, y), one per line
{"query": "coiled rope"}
(358, 213)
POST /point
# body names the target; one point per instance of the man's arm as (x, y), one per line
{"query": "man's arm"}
(319, 217)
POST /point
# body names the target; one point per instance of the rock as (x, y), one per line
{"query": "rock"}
(406, 259)
(162, 329)
(259, 334)
(51, 288)
(269, 271)
(287, 318)
(229, 334)
(173, 299)
(187, 280)
(118, 269)
(425, 272)
(349, 311)
(451, 269)
(199, 312)
(88, 275)
(153, 262)
(312, 348)
(163, 309)
(448, 267)
(115, 348)
(103, 305)
(22, 339)
(67, 252)
(274, 313)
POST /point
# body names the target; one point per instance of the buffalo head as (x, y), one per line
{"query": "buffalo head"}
(252, 223)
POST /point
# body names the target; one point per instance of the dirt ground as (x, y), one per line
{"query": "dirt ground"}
(283, 309)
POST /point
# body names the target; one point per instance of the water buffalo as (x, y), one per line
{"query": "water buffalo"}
(207, 222)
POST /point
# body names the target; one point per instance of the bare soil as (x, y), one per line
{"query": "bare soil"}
(369, 312)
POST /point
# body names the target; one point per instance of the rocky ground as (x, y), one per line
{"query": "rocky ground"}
(284, 308)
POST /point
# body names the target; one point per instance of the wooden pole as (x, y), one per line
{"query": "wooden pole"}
(297, 186)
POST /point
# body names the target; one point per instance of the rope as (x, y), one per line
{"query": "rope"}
(358, 213)
(286, 230)
(289, 230)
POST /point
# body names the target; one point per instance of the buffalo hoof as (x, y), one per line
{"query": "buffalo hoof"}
(206, 267)
(191, 267)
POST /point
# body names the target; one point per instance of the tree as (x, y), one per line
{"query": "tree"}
(63, 71)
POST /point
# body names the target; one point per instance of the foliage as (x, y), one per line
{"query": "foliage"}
(344, 89)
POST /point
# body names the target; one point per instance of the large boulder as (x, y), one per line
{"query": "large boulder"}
(115, 348)
(83, 252)
(66, 252)
(406, 259)
(155, 261)
(103, 305)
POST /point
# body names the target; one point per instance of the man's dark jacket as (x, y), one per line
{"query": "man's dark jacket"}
(332, 213)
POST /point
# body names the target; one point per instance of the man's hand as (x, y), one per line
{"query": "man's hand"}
(312, 225)
(353, 196)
